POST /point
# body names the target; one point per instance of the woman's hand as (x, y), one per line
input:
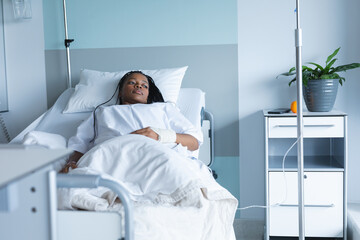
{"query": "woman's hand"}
(72, 162)
(147, 132)
(188, 141)
(184, 139)
(68, 165)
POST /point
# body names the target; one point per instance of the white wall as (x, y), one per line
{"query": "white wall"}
(25, 68)
(266, 49)
(351, 97)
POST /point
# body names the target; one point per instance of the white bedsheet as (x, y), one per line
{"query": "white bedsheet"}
(212, 221)
(163, 185)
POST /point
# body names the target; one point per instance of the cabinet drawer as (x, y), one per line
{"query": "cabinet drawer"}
(315, 127)
(323, 194)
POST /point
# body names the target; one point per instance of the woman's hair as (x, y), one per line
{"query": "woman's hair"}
(154, 94)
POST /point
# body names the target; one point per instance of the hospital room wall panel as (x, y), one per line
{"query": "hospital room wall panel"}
(141, 23)
(25, 68)
(350, 98)
(227, 169)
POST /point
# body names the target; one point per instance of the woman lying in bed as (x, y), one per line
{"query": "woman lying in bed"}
(140, 110)
(172, 194)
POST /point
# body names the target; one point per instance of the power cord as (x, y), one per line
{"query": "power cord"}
(284, 175)
(4, 129)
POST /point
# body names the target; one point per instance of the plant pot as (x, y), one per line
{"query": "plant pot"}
(320, 94)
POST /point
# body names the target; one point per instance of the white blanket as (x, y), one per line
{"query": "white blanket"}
(150, 171)
(153, 174)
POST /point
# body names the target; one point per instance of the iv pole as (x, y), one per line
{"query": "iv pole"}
(300, 150)
(67, 46)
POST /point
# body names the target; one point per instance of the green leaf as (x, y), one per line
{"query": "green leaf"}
(308, 76)
(332, 55)
(341, 80)
(335, 76)
(317, 65)
(289, 73)
(326, 76)
(319, 72)
(328, 66)
(346, 67)
(293, 80)
(306, 68)
(286, 74)
(292, 69)
(330, 76)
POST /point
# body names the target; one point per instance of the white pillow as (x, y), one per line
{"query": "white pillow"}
(96, 87)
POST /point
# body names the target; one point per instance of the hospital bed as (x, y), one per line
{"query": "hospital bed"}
(85, 224)
(191, 102)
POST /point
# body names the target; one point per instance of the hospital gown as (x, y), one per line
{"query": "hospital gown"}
(119, 120)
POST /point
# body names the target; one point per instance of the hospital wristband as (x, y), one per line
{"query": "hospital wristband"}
(165, 135)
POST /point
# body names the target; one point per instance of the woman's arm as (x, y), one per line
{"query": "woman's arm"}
(190, 136)
(71, 162)
(185, 139)
(81, 141)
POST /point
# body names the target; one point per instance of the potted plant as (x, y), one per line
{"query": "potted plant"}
(320, 84)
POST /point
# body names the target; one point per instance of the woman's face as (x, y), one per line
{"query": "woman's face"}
(135, 89)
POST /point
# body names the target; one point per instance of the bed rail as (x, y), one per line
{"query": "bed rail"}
(209, 116)
(206, 115)
(94, 181)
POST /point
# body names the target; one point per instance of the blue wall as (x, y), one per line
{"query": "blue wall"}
(141, 23)
(227, 169)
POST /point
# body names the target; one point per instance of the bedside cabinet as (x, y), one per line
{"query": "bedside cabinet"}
(325, 162)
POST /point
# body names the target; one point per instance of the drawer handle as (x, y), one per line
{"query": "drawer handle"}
(319, 125)
(308, 205)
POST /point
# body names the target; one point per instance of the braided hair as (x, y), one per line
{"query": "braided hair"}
(154, 94)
